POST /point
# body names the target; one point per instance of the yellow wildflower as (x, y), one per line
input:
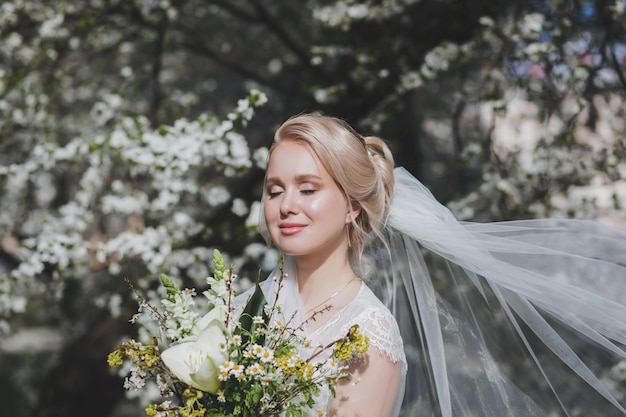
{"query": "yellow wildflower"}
(151, 410)
(115, 358)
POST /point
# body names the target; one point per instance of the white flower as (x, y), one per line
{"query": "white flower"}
(532, 24)
(239, 207)
(619, 8)
(218, 293)
(197, 362)
(237, 370)
(136, 380)
(252, 222)
(266, 355)
(217, 195)
(181, 318)
(260, 157)
(486, 21)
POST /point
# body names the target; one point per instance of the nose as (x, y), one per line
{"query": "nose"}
(289, 203)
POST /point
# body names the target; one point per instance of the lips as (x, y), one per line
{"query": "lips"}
(289, 228)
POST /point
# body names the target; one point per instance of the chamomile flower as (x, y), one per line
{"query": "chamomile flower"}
(257, 320)
(256, 350)
(225, 371)
(237, 369)
(266, 379)
(253, 369)
(266, 355)
(333, 364)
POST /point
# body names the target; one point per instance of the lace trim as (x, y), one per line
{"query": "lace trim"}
(375, 321)
(384, 335)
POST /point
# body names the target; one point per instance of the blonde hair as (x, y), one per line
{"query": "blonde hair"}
(362, 168)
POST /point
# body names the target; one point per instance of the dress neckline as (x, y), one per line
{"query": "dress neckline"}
(335, 316)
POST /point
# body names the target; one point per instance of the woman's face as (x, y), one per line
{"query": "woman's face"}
(305, 211)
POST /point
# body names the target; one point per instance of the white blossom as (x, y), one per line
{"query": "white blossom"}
(128, 204)
(217, 195)
(181, 319)
(260, 157)
(136, 380)
(252, 221)
(619, 8)
(239, 207)
(52, 28)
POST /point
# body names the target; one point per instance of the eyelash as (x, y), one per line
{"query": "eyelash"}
(272, 194)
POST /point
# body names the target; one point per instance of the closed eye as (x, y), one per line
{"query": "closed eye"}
(307, 192)
(272, 194)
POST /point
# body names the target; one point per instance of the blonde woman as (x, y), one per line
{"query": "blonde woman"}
(321, 212)
(348, 221)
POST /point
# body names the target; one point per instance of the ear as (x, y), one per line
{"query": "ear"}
(354, 210)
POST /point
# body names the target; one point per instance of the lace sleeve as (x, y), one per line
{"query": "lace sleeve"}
(381, 327)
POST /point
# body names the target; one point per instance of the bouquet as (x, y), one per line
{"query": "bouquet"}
(233, 362)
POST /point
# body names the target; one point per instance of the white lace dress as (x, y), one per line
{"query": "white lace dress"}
(366, 310)
(375, 321)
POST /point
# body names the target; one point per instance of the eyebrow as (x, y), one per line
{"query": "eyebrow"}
(299, 178)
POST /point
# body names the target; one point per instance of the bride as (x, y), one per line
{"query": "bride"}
(334, 204)
(322, 221)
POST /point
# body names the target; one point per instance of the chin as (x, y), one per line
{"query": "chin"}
(290, 251)
(293, 250)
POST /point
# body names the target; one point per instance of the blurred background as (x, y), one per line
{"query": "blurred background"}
(133, 137)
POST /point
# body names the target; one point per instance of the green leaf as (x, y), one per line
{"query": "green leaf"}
(254, 307)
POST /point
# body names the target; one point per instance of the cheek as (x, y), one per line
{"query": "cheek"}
(268, 210)
(327, 208)
(270, 216)
(317, 207)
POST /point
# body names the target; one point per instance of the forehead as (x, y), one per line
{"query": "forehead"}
(290, 158)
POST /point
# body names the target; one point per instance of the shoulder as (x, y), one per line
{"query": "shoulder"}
(376, 321)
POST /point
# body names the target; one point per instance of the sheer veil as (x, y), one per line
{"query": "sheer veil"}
(521, 318)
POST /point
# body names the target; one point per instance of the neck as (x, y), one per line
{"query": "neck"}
(320, 274)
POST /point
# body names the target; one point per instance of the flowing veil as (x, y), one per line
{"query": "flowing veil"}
(520, 318)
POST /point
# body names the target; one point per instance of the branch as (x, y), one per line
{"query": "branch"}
(617, 67)
(274, 26)
(608, 43)
(457, 136)
(157, 66)
(234, 66)
(236, 12)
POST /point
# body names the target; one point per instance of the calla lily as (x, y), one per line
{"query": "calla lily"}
(196, 362)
